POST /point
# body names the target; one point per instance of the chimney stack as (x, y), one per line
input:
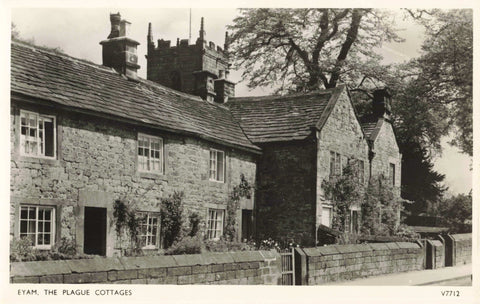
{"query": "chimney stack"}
(119, 51)
(382, 103)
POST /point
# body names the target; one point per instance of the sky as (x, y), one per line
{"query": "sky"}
(78, 31)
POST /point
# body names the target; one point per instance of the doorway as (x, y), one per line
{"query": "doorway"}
(95, 231)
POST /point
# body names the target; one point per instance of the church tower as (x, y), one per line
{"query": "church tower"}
(200, 69)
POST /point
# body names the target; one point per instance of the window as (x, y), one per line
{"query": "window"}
(37, 137)
(361, 171)
(150, 153)
(335, 164)
(215, 223)
(217, 165)
(149, 230)
(354, 221)
(327, 216)
(391, 174)
(38, 225)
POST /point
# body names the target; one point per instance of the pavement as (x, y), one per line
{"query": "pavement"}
(454, 276)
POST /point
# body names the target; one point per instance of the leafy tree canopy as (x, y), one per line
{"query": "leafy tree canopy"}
(305, 49)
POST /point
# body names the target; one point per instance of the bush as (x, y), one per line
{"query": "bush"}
(187, 245)
(21, 250)
(171, 218)
(223, 245)
(194, 219)
(407, 232)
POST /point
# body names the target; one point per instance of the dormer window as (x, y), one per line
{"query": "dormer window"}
(38, 134)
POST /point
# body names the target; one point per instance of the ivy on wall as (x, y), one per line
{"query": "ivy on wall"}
(242, 190)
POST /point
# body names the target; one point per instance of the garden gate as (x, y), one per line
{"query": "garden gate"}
(288, 266)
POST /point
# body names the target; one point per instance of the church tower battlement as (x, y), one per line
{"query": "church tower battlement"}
(200, 69)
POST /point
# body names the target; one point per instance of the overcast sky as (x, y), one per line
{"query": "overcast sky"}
(78, 33)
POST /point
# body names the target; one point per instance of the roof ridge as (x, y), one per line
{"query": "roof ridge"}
(61, 54)
(279, 97)
(104, 68)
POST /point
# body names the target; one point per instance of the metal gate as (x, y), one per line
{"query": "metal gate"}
(288, 266)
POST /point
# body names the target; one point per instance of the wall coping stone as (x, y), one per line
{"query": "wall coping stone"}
(346, 248)
(392, 245)
(246, 256)
(217, 258)
(189, 259)
(35, 268)
(94, 265)
(269, 254)
(408, 245)
(148, 262)
(462, 236)
(318, 251)
(379, 246)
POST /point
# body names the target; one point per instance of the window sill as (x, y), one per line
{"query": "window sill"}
(217, 181)
(36, 160)
(152, 175)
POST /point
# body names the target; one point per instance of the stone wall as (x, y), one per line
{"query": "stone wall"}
(240, 268)
(435, 254)
(286, 192)
(387, 152)
(347, 262)
(96, 164)
(463, 248)
(341, 134)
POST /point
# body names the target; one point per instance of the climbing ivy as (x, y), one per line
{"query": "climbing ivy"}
(242, 190)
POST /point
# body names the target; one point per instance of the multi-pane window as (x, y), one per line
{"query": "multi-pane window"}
(149, 230)
(38, 225)
(150, 153)
(391, 173)
(335, 164)
(37, 136)
(217, 165)
(215, 223)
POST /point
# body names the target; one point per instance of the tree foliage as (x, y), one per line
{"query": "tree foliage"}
(456, 212)
(171, 218)
(307, 49)
(444, 72)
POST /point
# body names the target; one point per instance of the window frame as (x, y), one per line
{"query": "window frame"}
(224, 158)
(222, 223)
(391, 173)
(147, 235)
(336, 168)
(22, 138)
(52, 224)
(161, 154)
(330, 215)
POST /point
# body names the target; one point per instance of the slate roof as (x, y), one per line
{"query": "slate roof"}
(368, 129)
(283, 118)
(78, 84)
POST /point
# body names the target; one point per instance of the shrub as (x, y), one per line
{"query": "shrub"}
(194, 219)
(187, 245)
(21, 250)
(224, 245)
(171, 218)
(407, 232)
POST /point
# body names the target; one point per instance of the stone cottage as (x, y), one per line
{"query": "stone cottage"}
(85, 135)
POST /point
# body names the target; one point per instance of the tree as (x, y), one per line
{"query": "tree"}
(307, 49)
(457, 213)
(444, 71)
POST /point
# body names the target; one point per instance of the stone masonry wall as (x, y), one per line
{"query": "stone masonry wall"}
(341, 134)
(286, 192)
(463, 248)
(239, 268)
(386, 153)
(96, 164)
(347, 262)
